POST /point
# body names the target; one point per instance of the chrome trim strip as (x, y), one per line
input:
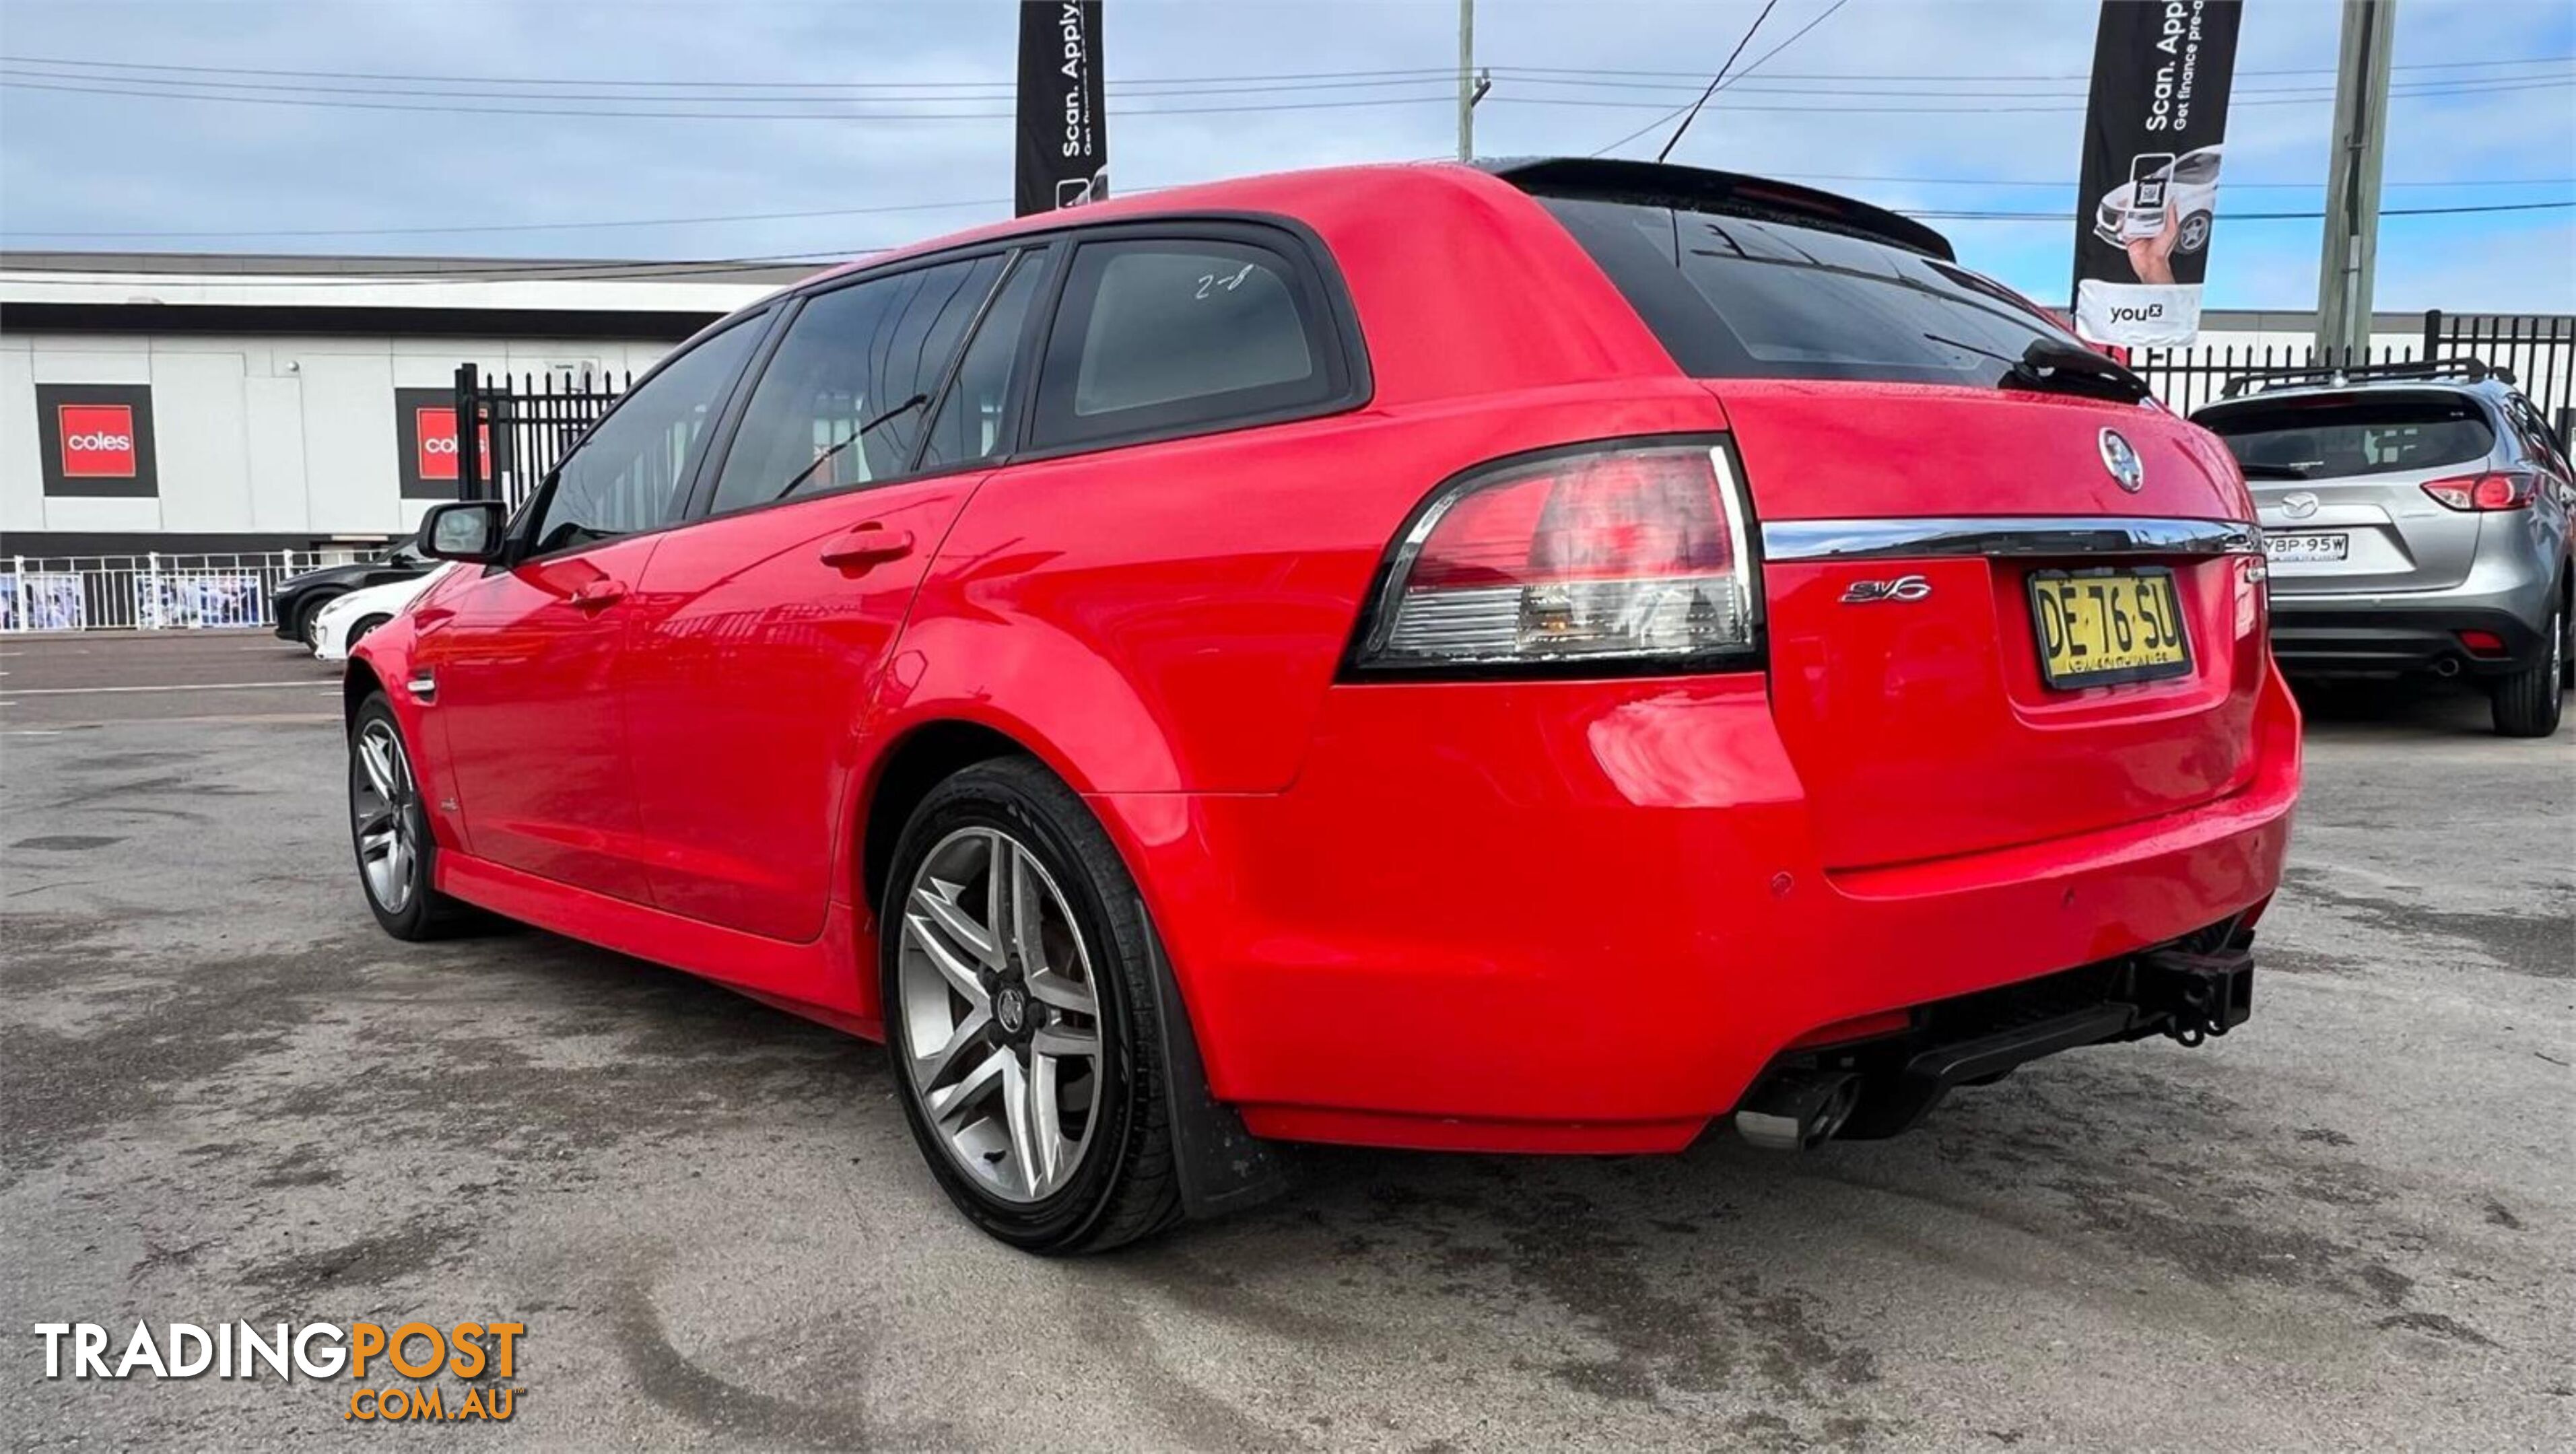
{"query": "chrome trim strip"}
(1998, 535)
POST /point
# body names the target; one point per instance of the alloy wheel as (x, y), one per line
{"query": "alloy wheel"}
(381, 803)
(1001, 1017)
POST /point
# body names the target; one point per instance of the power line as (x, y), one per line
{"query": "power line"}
(1005, 84)
(585, 225)
(1769, 87)
(1935, 215)
(605, 224)
(1983, 108)
(691, 93)
(353, 105)
(599, 224)
(1818, 102)
(1794, 36)
(698, 98)
(1717, 80)
(2230, 185)
(505, 270)
(2016, 75)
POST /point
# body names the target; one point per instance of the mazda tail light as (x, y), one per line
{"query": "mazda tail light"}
(1608, 557)
(2494, 490)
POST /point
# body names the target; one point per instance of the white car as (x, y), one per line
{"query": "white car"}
(2188, 184)
(340, 623)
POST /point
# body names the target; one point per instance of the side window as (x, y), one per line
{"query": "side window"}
(1159, 336)
(969, 426)
(627, 475)
(2538, 438)
(842, 400)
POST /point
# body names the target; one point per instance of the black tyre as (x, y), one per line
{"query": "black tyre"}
(308, 621)
(397, 858)
(2527, 703)
(2195, 233)
(1020, 1014)
(358, 629)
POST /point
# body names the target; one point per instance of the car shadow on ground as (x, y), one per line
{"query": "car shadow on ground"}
(2127, 1169)
(2426, 705)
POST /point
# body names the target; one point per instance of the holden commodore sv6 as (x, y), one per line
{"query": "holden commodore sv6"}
(1532, 658)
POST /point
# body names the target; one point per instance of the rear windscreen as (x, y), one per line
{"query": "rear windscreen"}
(1757, 298)
(2329, 439)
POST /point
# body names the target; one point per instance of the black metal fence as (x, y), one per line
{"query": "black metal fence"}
(527, 426)
(2538, 351)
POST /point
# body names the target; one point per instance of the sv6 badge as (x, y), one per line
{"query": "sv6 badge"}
(1901, 588)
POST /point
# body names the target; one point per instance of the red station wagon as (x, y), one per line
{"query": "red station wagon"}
(1530, 658)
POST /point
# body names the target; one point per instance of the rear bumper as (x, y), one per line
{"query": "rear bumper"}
(1585, 916)
(2511, 587)
(2351, 636)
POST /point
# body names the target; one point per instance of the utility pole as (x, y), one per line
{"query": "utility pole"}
(1466, 80)
(2350, 253)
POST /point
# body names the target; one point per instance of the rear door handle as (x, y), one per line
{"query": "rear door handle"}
(866, 544)
(598, 595)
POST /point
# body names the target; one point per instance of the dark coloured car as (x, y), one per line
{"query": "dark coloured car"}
(297, 602)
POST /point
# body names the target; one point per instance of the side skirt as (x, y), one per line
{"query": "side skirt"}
(813, 979)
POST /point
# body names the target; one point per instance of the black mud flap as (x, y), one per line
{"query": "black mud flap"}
(1222, 1167)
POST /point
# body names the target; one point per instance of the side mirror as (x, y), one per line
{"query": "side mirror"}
(467, 530)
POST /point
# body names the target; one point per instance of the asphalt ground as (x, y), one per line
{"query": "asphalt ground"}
(223, 1094)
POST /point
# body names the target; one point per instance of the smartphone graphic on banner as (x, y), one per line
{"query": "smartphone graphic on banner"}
(2150, 173)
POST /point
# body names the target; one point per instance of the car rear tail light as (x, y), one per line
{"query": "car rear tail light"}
(2494, 490)
(2482, 643)
(1617, 555)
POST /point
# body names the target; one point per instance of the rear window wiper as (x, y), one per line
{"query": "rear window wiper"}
(2272, 471)
(2051, 366)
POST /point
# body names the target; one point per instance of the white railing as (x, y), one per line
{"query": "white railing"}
(151, 592)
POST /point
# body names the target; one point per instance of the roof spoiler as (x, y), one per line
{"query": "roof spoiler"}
(2474, 370)
(1610, 179)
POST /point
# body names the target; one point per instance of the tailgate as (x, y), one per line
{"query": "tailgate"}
(1903, 528)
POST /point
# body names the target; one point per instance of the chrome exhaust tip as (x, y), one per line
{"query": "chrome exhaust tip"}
(1798, 1110)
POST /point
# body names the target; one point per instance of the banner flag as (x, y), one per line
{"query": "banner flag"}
(2152, 134)
(1064, 127)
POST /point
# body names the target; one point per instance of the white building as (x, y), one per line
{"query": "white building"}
(199, 403)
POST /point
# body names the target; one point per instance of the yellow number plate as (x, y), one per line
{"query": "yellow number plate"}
(2094, 628)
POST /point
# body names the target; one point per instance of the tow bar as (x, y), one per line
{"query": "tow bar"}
(2200, 995)
(1880, 1087)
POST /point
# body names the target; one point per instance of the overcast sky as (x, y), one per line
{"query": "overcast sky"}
(1847, 100)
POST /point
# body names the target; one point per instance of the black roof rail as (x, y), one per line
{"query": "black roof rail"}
(1661, 184)
(2474, 370)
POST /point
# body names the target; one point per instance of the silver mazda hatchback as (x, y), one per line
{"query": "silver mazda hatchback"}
(2416, 520)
